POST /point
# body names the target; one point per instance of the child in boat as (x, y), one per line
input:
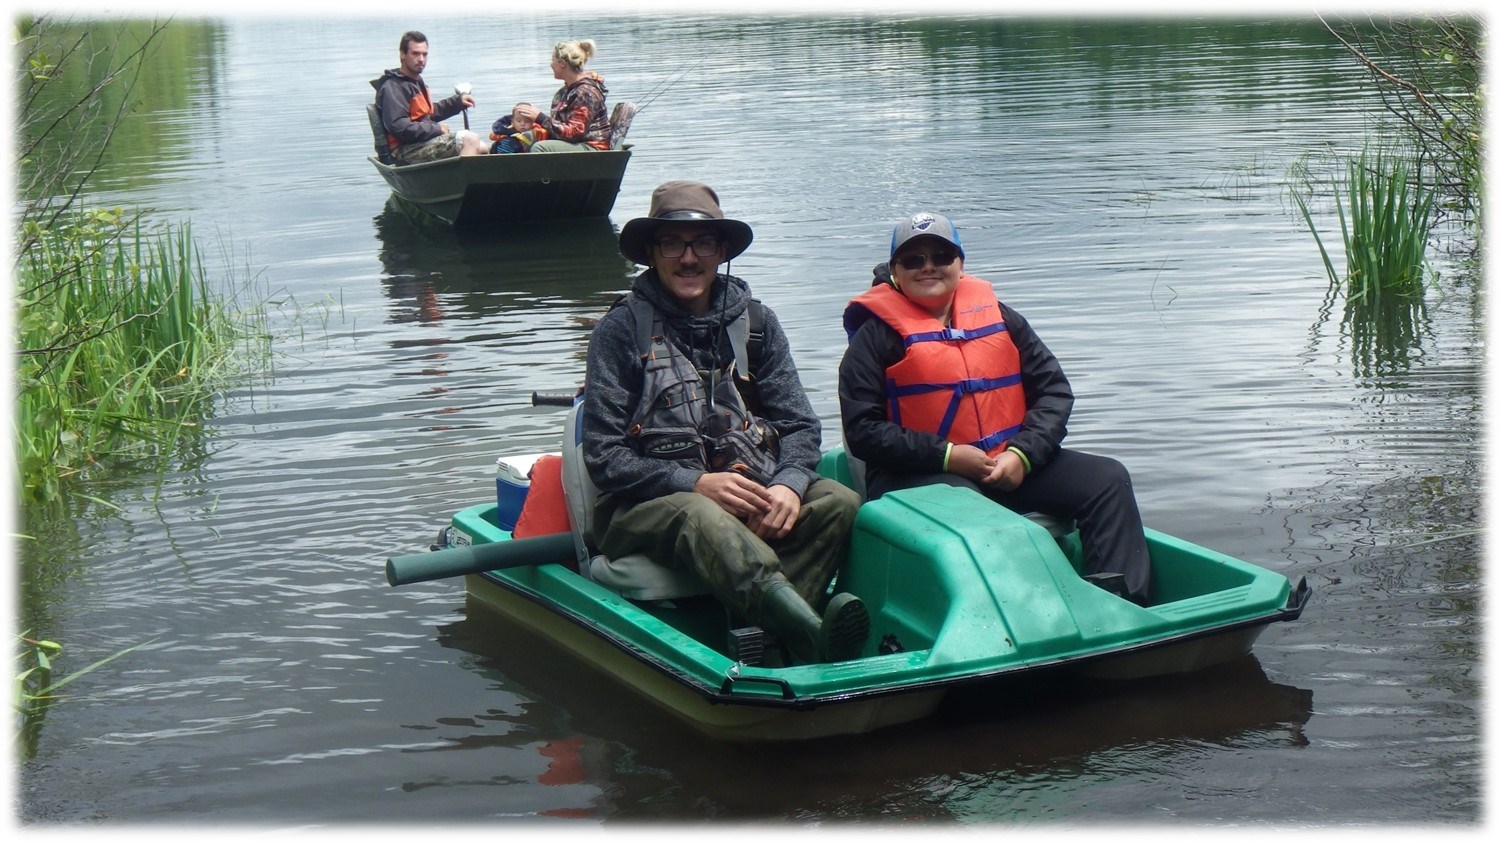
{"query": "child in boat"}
(515, 132)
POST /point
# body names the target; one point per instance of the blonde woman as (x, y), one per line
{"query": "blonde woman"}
(578, 121)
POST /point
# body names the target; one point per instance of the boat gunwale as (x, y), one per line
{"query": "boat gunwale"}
(1296, 601)
(446, 187)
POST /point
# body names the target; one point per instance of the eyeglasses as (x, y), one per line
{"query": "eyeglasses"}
(917, 260)
(704, 247)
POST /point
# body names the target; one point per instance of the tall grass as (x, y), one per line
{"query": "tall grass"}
(120, 347)
(1385, 219)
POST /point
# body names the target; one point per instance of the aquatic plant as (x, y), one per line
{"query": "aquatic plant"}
(1385, 220)
(120, 342)
(35, 689)
(120, 346)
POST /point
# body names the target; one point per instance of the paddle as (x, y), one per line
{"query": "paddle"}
(474, 559)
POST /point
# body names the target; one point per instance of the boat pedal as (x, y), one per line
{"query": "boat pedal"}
(1111, 582)
(747, 645)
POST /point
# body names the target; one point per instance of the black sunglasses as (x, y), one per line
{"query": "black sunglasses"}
(704, 247)
(917, 260)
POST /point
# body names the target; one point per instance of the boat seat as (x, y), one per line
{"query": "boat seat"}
(619, 123)
(634, 577)
(1058, 527)
(382, 146)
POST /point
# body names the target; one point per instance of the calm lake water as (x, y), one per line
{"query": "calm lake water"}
(1124, 184)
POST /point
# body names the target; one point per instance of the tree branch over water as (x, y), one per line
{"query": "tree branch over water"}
(1427, 71)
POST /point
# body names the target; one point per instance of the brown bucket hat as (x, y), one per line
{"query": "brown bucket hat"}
(682, 201)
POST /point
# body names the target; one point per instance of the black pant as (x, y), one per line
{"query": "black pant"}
(1095, 491)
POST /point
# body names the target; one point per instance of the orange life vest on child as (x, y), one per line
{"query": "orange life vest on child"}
(962, 382)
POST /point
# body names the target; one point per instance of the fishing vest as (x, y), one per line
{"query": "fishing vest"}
(962, 382)
(701, 418)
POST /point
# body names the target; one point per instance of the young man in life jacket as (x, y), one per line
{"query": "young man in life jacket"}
(942, 383)
(703, 444)
(412, 120)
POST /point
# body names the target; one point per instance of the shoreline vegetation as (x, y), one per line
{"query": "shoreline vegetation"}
(122, 345)
(1419, 176)
(121, 341)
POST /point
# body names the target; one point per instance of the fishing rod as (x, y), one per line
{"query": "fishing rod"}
(667, 83)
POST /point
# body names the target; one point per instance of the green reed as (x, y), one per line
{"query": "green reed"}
(1385, 218)
(120, 347)
(36, 688)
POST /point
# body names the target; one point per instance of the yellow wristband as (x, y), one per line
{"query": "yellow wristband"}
(1025, 463)
(946, 454)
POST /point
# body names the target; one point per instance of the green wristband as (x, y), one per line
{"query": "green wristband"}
(946, 454)
(1025, 463)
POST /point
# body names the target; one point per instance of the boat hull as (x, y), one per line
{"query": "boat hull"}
(697, 706)
(960, 593)
(493, 189)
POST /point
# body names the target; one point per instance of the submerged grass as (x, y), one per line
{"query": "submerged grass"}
(1385, 219)
(121, 346)
(36, 689)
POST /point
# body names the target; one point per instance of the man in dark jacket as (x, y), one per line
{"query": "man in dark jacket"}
(412, 120)
(704, 447)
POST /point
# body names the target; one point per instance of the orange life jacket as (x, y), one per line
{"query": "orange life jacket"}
(963, 382)
(421, 106)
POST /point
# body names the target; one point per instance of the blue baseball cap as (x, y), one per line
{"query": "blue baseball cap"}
(925, 224)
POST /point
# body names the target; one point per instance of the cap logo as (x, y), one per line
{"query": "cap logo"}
(922, 222)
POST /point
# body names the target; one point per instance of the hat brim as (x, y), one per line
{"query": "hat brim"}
(637, 234)
(927, 235)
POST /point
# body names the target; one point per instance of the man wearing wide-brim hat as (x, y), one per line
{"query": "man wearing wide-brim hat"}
(702, 442)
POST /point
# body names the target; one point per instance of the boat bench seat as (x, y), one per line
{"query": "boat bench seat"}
(382, 144)
(634, 577)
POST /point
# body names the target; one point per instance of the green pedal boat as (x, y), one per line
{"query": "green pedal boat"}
(961, 592)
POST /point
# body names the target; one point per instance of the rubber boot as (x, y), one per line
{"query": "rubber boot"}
(839, 635)
(846, 625)
(784, 612)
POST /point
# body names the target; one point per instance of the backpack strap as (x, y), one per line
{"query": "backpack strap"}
(756, 339)
(747, 334)
(739, 341)
(645, 320)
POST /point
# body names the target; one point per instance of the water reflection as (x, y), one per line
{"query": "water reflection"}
(1384, 334)
(434, 273)
(990, 737)
(1384, 338)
